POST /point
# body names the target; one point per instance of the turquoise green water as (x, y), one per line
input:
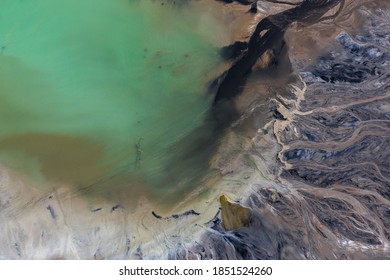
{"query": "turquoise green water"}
(101, 90)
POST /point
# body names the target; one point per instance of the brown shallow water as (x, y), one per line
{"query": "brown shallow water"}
(303, 158)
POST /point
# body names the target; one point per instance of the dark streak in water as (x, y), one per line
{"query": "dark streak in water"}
(269, 34)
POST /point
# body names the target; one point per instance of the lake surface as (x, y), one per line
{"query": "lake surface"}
(99, 92)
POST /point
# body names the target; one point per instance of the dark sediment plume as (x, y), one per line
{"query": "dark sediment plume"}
(267, 32)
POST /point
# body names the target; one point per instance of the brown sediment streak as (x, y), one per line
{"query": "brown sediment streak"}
(61, 157)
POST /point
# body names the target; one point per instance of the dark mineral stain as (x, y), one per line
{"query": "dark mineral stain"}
(52, 212)
(156, 216)
(116, 207)
(177, 216)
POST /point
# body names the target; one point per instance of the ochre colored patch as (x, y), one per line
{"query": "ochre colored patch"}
(234, 216)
